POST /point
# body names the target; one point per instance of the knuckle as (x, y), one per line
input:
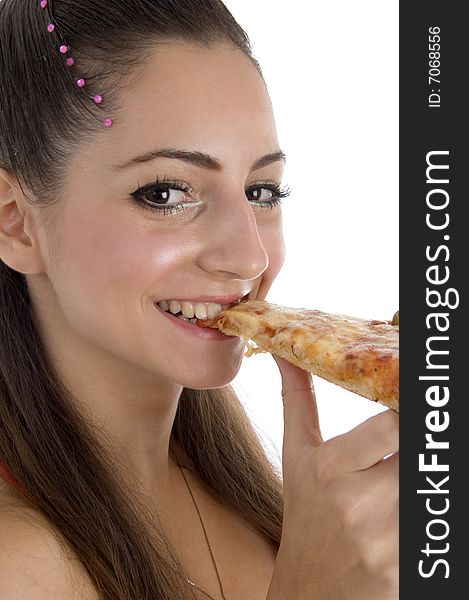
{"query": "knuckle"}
(391, 579)
(367, 555)
(366, 560)
(325, 465)
(347, 512)
(388, 579)
(379, 559)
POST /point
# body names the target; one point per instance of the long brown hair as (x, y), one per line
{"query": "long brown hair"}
(46, 443)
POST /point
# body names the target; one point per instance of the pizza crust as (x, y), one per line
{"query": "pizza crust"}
(359, 355)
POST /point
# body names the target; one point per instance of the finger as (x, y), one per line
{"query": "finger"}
(389, 467)
(368, 443)
(301, 420)
(382, 480)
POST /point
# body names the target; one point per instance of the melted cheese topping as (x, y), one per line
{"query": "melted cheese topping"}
(357, 354)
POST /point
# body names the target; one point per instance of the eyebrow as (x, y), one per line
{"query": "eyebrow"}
(199, 159)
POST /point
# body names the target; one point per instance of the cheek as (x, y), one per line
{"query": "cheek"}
(114, 258)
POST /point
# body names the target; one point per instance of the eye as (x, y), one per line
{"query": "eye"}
(163, 194)
(262, 194)
(165, 197)
(267, 195)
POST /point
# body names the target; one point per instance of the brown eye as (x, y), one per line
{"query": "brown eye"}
(266, 195)
(165, 197)
(162, 195)
(261, 194)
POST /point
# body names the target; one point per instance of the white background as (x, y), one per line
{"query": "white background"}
(332, 73)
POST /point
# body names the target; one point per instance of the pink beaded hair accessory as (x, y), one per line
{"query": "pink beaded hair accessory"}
(64, 49)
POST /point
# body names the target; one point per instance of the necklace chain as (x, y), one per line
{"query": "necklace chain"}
(208, 544)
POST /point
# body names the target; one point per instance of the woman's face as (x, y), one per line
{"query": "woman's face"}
(202, 121)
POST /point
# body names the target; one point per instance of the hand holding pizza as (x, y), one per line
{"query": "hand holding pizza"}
(340, 528)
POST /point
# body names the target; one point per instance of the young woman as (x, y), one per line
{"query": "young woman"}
(140, 179)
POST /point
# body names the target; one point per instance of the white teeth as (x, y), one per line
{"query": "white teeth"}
(200, 310)
(163, 305)
(187, 309)
(213, 310)
(174, 307)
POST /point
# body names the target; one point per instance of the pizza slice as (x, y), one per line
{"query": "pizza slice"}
(359, 355)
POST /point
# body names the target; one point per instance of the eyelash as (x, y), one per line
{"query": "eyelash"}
(163, 185)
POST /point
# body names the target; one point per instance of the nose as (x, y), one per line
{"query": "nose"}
(233, 247)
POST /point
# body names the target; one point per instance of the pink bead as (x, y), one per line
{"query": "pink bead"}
(63, 49)
(43, 3)
(98, 99)
(107, 122)
(70, 62)
(50, 27)
(81, 83)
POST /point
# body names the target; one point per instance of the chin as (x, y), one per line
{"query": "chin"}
(210, 378)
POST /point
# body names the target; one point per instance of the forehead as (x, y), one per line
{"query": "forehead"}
(208, 99)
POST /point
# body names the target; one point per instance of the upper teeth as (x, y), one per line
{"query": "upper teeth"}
(201, 310)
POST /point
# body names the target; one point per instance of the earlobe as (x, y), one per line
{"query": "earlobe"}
(17, 249)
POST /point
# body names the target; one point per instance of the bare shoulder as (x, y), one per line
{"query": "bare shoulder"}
(34, 563)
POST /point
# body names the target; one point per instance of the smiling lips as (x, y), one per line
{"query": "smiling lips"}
(191, 311)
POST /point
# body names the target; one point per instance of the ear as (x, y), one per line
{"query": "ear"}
(18, 245)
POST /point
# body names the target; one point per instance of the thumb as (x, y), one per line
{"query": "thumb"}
(301, 420)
